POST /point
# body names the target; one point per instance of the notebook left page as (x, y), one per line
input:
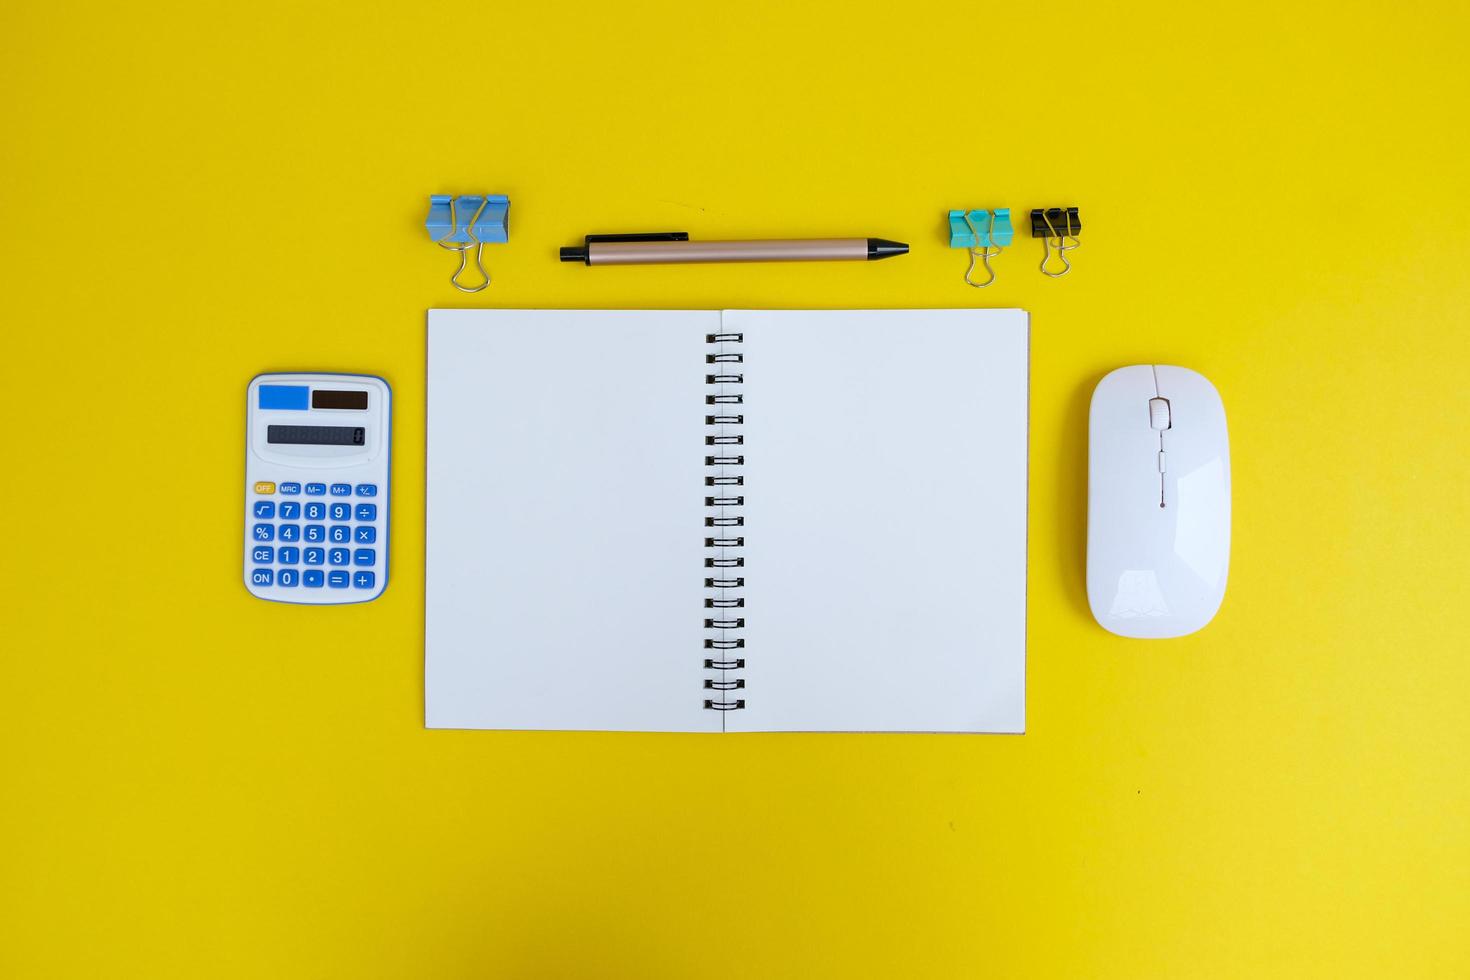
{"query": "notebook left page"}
(563, 584)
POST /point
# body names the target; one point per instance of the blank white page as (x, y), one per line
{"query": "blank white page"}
(885, 506)
(565, 504)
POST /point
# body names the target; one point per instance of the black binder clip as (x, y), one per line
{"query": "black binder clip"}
(1058, 229)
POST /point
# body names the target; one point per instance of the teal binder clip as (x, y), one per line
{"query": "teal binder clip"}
(983, 234)
(469, 221)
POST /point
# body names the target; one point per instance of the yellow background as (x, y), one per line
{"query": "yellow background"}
(194, 783)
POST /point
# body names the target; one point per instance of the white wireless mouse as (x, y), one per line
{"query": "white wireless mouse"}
(1158, 501)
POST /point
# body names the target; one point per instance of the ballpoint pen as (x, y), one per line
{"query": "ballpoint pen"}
(674, 247)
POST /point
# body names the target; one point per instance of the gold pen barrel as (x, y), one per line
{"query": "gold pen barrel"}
(755, 250)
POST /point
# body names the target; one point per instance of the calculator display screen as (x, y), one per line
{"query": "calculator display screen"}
(315, 435)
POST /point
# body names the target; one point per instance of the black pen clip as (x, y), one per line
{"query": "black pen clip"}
(575, 253)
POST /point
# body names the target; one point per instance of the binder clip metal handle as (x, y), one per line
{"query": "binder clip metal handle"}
(1058, 229)
(983, 234)
(486, 223)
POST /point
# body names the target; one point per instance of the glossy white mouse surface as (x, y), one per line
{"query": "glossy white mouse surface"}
(1158, 501)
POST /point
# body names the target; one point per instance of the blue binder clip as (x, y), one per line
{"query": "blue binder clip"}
(469, 221)
(984, 234)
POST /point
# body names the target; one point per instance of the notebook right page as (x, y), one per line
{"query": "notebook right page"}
(885, 520)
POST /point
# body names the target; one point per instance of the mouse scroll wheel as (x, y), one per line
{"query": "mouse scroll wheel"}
(1158, 413)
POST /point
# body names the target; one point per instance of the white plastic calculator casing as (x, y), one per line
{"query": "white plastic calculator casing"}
(277, 467)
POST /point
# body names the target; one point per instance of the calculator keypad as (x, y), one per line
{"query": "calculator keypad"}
(349, 540)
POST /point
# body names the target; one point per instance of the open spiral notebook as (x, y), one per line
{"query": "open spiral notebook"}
(705, 521)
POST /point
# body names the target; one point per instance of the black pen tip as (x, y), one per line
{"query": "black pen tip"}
(882, 248)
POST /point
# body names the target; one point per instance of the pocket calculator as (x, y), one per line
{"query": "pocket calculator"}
(316, 487)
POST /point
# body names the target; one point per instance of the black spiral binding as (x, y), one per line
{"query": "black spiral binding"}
(722, 627)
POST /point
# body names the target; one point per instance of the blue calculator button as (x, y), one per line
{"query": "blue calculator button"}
(339, 534)
(367, 512)
(313, 556)
(337, 580)
(289, 489)
(367, 489)
(363, 580)
(264, 510)
(341, 512)
(365, 534)
(290, 510)
(288, 556)
(263, 554)
(290, 532)
(337, 556)
(287, 578)
(341, 489)
(263, 532)
(316, 533)
(311, 578)
(316, 489)
(261, 576)
(364, 556)
(316, 511)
